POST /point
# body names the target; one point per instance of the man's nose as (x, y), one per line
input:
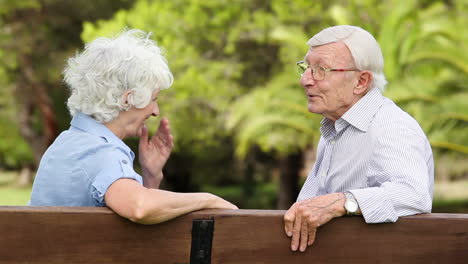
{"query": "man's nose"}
(307, 77)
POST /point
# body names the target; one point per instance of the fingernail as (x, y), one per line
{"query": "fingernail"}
(289, 234)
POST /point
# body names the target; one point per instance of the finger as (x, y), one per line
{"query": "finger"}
(233, 206)
(312, 233)
(171, 140)
(143, 137)
(289, 221)
(296, 233)
(164, 120)
(304, 236)
(164, 132)
(164, 126)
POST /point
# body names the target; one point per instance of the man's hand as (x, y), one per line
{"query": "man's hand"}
(303, 218)
(154, 153)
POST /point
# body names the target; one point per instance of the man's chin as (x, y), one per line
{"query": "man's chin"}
(313, 109)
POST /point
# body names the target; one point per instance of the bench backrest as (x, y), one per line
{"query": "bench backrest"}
(97, 235)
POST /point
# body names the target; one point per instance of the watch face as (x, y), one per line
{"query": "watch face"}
(351, 206)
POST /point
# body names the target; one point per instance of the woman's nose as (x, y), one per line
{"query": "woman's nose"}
(155, 109)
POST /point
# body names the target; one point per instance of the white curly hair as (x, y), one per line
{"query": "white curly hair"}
(364, 49)
(109, 67)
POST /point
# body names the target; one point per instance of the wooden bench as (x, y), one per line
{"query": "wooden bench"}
(97, 235)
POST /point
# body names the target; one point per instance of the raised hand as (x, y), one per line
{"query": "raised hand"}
(154, 152)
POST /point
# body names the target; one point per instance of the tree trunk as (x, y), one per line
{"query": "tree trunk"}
(33, 96)
(25, 177)
(248, 186)
(290, 167)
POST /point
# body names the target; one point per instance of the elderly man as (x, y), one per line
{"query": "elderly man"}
(373, 159)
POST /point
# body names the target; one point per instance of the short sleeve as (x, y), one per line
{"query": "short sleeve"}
(114, 166)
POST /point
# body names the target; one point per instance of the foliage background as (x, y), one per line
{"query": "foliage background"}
(237, 111)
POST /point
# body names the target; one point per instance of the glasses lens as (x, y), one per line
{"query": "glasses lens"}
(318, 72)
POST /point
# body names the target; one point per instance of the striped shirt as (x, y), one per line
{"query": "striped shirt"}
(380, 154)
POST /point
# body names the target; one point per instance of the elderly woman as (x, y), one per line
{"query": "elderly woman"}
(114, 89)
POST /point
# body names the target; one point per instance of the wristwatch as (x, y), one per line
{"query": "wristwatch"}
(351, 206)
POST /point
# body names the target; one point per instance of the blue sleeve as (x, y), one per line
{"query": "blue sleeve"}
(116, 165)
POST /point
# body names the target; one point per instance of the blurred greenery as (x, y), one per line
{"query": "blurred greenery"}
(448, 197)
(11, 194)
(236, 108)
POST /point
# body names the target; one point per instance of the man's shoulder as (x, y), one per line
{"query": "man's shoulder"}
(391, 117)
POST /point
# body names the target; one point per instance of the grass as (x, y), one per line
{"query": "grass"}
(450, 206)
(14, 196)
(451, 197)
(11, 194)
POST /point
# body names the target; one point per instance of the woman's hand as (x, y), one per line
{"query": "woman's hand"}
(154, 152)
(219, 203)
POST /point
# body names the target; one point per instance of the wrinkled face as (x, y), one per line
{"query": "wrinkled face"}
(332, 96)
(136, 117)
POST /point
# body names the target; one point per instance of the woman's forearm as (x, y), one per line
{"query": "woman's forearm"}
(131, 200)
(160, 205)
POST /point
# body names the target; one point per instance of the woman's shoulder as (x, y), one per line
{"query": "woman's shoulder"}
(80, 145)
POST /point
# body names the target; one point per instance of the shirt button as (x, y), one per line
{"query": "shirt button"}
(124, 161)
(333, 142)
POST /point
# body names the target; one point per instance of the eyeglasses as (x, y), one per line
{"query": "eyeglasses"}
(318, 72)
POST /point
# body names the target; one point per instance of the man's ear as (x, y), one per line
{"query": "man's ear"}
(124, 98)
(363, 84)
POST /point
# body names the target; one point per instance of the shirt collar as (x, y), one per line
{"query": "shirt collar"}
(327, 129)
(360, 115)
(92, 126)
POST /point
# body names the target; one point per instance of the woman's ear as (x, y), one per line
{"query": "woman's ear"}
(124, 98)
(364, 82)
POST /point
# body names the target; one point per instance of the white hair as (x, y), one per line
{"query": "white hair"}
(364, 49)
(108, 67)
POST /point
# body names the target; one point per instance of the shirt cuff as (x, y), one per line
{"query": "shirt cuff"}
(374, 205)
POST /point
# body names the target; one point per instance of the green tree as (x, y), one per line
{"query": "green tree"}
(36, 38)
(219, 51)
(236, 91)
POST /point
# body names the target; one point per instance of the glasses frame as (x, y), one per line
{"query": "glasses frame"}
(303, 66)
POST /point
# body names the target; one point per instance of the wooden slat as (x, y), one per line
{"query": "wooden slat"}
(89, 235)
(258, 237)
(97, 235)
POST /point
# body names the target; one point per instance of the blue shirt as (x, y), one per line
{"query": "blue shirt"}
(380, 154)
(81, 164)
